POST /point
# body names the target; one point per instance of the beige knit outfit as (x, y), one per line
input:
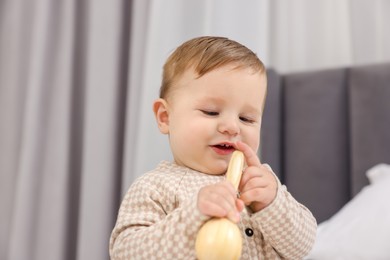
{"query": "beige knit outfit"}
(159, 219)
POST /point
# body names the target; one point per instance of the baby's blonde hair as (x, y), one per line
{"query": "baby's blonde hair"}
(205, 54)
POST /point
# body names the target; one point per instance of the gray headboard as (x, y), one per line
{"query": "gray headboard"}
(323, 129)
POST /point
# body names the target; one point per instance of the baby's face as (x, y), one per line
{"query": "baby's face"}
(207, 115)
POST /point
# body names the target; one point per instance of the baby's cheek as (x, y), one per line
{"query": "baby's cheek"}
(253, 141)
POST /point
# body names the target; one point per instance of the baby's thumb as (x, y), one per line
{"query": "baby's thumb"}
(234, 216)
(240, 205)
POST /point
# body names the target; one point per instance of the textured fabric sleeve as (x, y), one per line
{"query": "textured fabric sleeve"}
(151, 226)
(287, 226)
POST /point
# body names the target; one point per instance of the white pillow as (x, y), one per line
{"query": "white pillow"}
(361, 229)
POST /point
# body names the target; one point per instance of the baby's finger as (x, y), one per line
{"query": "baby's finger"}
(251, 195)
(211, 209)
(251, 157)
(240, 205)
(221, 196)
(234, 216)
(255, 180)
(250, 173)
(226, 206)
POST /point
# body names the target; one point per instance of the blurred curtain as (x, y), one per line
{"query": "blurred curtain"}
(311, 35)
(77, 81)
(63, 87)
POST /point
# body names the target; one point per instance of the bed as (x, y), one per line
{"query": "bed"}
(326, 134)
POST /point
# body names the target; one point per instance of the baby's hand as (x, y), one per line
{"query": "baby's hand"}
(220, 200)
(258, 185)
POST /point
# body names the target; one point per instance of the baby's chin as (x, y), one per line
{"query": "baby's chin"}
(216, 168)
(213, 170)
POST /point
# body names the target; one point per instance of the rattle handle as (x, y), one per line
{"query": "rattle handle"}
(235, 167)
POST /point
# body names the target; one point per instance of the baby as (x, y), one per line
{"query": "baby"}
(211, 103)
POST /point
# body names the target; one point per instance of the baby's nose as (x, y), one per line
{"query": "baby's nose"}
(229, 126)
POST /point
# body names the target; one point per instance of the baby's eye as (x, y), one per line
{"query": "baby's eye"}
(246, 119)
(209, 113)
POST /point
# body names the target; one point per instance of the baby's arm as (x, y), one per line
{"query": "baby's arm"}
(287, 226)
(149, 226)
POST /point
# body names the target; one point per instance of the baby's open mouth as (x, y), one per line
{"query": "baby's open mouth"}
(224, 148)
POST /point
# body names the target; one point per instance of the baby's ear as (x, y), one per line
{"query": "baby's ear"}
(160, 109)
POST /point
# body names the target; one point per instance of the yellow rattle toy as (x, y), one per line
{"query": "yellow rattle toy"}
(220, 238)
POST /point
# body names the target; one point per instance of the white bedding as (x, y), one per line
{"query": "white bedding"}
(361, 229)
